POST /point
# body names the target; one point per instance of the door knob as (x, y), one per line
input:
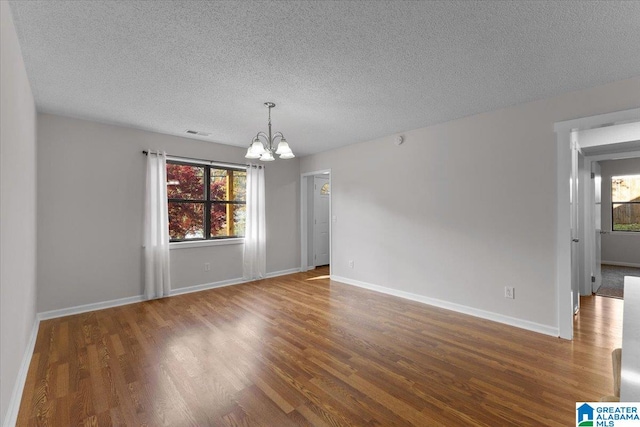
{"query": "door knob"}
(575, 240)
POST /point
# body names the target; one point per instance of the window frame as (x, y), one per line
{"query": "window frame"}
(613, 225)
(207, 202)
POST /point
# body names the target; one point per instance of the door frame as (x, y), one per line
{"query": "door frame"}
(577, 219)
(563, 209)
(304, 238)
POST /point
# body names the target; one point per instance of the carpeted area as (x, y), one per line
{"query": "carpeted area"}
(613, 280)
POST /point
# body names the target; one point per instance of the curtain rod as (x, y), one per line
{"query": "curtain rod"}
(209, 162)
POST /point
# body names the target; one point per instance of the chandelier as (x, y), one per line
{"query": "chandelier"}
(262, 146)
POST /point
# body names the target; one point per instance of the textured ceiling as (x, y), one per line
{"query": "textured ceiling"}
(339, 72)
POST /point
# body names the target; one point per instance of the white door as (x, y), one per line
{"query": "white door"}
(575, 232)
(321, 194)
(596, 182)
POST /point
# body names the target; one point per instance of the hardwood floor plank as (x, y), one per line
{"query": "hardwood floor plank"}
(253, 401)
(62, 380)
(81, 403)
(357, 402)
(276, 398)
(397, 405)
(320, 416)
(301, 350)
(238, 418)
(98, 392)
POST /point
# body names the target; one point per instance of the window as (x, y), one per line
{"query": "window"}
(205, 202)
(625, 203)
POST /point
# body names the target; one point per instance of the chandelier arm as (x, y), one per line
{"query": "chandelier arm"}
(264, 139)
(263, 135)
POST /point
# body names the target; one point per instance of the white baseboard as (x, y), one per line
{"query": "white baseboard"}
(621, 264)
(283, 272)
(500, 318)
(205, 286)
(16, 396)
(45, 315)
(229, 282)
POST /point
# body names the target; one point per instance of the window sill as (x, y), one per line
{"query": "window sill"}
(205, 243)
(624, 233)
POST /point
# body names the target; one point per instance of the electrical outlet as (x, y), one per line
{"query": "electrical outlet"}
(509, 292)
(207, 266)
(351, 264)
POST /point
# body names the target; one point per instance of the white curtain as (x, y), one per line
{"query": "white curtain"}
(156, 228)
(255, 254)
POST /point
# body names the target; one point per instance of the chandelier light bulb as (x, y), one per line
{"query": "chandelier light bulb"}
(283, 147)
(251, 154)
(267, 157)
(257, 147)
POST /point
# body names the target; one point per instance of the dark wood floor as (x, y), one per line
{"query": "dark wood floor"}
(301, 350)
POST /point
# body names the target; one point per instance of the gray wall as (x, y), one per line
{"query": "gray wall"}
(618, 247)
(90, 213)
(17, 210)
(461, 209)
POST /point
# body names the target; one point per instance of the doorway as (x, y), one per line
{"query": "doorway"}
(315, 218)
(603, 134)
(320, 221)
(611, 228)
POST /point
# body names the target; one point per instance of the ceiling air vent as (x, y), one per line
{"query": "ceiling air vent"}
(196, 132)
